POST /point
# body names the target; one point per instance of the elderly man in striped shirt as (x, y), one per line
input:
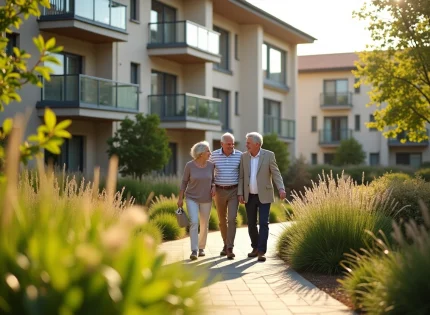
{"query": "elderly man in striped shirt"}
(227, 161)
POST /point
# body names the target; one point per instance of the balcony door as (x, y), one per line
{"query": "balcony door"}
(272, 117)
(164, 31)
(224, 116)
(335, 92)
(335, 129)
(64, 84)
(72, 155)
(164, 100)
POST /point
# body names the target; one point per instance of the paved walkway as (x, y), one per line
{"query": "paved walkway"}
(246, 286)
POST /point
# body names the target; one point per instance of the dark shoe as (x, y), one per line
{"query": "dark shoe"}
(224, 251)
(254, 253)
(193, 255)
(261, 257)
(230, 254)
(202, 253)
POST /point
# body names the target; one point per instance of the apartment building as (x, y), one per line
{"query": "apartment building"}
(330, 109)
(203, 66)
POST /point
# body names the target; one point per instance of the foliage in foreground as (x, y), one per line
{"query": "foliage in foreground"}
(331, 219)
(387, 281)
(69, 257)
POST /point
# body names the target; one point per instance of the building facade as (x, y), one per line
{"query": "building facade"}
(330, 109)
(203, 66)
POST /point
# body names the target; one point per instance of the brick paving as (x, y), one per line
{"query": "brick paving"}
(246, 286)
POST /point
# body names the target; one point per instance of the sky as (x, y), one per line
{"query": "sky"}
(329, 21)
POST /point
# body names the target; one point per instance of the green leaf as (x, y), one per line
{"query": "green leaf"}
(50, 119)
(52, 147)
(50, 43)
(63, 134)
(63, 124)
(7, 126)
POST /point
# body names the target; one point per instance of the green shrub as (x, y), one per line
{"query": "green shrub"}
(169, 226)
(407, 193)
(393, 281)
(153, 231)
(298, 177)
(162, 205)
(396, 177)
(332, 219)
(213, 220)
(349, 152)
(277, 212)
(239, 220)
(242, 212)
(424, 174)
(78, 253)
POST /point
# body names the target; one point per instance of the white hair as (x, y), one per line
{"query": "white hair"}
(256, 137)
(227, 135)
(198, 149)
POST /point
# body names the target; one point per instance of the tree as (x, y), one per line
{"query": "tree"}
(141, 145)
(15, 73)
(272, 143)
(349, 152)
(398, 67)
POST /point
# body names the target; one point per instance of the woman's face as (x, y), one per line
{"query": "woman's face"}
(206, 154)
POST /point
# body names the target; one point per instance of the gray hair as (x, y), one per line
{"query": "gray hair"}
(198, 149)
(227, 135)
(256, 137)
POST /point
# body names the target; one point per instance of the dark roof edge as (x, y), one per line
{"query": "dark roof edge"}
(246, 5)
(327, 69)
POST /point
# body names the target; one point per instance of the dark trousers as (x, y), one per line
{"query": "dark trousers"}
(258, 238)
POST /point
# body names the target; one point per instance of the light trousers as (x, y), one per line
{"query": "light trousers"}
(194, 208)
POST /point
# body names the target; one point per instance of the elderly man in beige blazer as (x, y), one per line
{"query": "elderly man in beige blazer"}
(257, 170)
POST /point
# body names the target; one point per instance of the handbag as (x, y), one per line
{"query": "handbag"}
(182, 218)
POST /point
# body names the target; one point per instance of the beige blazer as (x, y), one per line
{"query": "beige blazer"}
(267, 171)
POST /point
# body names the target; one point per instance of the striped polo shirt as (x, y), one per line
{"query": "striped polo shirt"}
(226, 167)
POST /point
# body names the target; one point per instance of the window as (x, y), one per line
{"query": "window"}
(236, 103)
(357, 123)
(314, 125)
(336, 92)
(134, 73)
(411, 159)
(356, 88)
(374, 159)
(372, 119)
(164, 30)
(272, 117)
(274, 64)
(224, 110)
(134, 10)
(171, 167)
(13, 42)
(314, 159)
(72, 155)
(328, 158)
(163, 100)
(162, 83)
(223, 49)
(236, 47)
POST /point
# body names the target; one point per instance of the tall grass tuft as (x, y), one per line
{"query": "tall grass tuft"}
(169, 226)
(390, 280)
(163, 205)
(331, 219)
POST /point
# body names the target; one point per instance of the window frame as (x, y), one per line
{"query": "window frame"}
(372, 119)
(137, 69)
(215, 94)
(236, 46)
(226, 33)
(13, 41)
(357, 123)
(284, 56)
(314, 158)
(314, 123)
(236, 103)
(164, 76)
(374, 154)
(134, 11)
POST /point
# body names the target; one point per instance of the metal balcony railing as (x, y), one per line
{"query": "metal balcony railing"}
(334, 136)
(102, 12)
(187, 33)
(398, 141)
(336, 99)
(80, 90)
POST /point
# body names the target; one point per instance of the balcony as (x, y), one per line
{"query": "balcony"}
(89, 97)
(283, 128)
(333, 137)
(96, 21)
(397, 142)
(184, 42)
(186, 111)
(336, 101)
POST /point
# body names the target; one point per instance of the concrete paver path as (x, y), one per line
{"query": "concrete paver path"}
(245, 286)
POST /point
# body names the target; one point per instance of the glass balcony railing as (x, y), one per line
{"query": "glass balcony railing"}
(85, 91)
(184, 33)
(336, 99)
(403, 136)
(284, 128)
(178, 107)
(334, 136)
(104, 12)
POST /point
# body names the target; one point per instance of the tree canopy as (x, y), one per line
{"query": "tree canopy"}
(272, 143)
(349, 152)
(398, 65)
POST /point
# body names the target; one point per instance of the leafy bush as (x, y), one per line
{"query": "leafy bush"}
(331, 219)
(272, 143)
(424, 174)
(277, 212)
(169, 227)
(349, 152)
(242, 212)
(153, 231)
(213, 220)
(298, 177)
(407, 193)
(163, 205)
(391, 281)
(74, 253)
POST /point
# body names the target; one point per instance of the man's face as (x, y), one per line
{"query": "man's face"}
(252, 146)
(227, 145)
